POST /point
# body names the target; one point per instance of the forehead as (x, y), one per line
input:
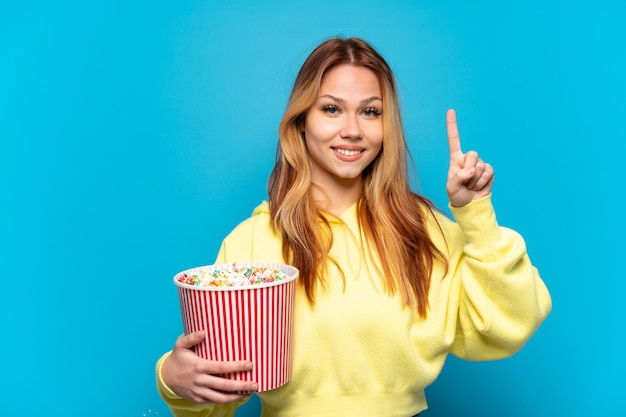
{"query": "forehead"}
(350, 79)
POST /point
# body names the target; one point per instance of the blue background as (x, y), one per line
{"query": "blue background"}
(135, 135)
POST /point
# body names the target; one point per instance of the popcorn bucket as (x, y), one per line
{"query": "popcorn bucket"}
(252, 322)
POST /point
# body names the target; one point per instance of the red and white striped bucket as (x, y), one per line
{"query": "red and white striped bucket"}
(251, 322)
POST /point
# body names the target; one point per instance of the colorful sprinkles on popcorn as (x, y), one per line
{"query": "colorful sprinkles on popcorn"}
(234, 275)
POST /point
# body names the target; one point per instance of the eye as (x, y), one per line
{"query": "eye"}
(371, 112)
(330, 109)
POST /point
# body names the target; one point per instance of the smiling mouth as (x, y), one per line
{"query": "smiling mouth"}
(348, 152)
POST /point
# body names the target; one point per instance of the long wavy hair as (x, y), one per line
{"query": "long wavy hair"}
(392, 216)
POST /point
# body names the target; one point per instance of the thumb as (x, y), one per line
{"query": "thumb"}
(465, 174)
(457, 178)
(190, 340)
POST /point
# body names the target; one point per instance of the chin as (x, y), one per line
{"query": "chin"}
(347, 176)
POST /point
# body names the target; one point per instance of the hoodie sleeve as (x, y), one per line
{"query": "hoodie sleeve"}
(500, 297)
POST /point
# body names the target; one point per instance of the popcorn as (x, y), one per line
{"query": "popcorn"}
(235, 275)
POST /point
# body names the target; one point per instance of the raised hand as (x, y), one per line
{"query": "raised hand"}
(200, 380)
(469, 177)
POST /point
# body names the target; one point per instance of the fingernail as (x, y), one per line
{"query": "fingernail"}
(248, 366)
(254, 387)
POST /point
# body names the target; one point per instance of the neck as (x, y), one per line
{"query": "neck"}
(338, 196)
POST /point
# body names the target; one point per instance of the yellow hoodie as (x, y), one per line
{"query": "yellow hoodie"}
(359, 351)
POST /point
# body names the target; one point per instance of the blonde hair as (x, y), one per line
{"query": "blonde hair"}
(406, 252)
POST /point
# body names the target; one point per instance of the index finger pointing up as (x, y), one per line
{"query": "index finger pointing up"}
(454, 142)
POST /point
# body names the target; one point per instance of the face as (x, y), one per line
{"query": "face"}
(344, 127)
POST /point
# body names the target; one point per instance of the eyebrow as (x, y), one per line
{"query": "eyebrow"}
(340, 100)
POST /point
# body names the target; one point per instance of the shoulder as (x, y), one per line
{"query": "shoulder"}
(254, 239)
(258, 221)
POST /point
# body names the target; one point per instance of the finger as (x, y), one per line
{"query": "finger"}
(479, 169)
(458, 179)
(485, 180)
(461, 177)
(215, 389)
(218, 367)
(471, 159)
(454, 141)
(230, 386)
(190, 340)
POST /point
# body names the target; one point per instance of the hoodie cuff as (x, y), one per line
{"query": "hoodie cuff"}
(162, 386)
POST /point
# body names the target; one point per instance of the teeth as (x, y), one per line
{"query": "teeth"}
(347, 152)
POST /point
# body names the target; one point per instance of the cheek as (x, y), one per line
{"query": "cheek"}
(319, 131)
(379, 147)
(375, 134)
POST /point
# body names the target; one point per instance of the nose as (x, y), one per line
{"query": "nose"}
(351, 128)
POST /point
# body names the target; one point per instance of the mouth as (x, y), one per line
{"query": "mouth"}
(348, 152)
